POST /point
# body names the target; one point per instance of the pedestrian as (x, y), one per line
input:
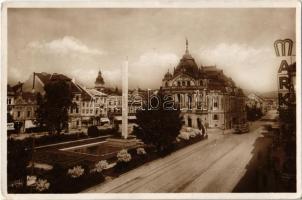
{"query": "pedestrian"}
(206, 125)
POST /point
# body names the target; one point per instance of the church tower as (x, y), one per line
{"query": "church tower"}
(99, 82)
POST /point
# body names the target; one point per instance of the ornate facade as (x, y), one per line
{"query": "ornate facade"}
(204, 94)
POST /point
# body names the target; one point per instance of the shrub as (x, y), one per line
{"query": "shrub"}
(184, 135)
(93, 131)
(140, 151)
(36, 129)
(76, 171)
(41, 185)
(100, 166)
(192, 134)
(18, 156)
(15, 186)
(31, 180)
(123, 156)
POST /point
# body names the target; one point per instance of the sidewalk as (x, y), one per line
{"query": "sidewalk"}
(219, 131)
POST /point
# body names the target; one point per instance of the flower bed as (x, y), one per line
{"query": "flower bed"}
(73, 177)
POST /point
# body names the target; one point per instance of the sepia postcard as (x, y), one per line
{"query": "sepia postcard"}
(151, 99)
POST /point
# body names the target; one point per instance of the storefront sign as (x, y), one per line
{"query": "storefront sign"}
(283, 49)
(10, 126)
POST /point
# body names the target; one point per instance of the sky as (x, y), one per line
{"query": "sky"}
(79, 42)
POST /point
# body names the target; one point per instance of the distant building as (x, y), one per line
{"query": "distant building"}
(204, 94)
(76, 118)
(12, 92)
(114, 104)
(21, 106)
(136, 99)
(23, 111)
(100, 102)
(255, 101)
(99, 82)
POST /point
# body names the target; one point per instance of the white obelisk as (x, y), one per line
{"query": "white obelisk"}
(125, 100)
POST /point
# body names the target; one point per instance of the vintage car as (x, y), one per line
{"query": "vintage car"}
(241, 128)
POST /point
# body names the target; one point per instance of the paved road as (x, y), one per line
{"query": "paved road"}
(213, 165)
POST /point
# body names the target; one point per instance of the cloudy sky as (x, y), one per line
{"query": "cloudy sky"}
(79, 42)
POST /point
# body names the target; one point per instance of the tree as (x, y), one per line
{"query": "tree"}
(158, 127)
(53, 107)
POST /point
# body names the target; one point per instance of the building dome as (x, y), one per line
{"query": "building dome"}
(187, 64)
(99, 82)
(167, 76)
(99, 79)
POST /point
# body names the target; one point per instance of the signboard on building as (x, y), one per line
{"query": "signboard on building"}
(283, 50)
(10, 126)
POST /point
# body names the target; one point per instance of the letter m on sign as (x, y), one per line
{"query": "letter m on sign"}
(282, 45)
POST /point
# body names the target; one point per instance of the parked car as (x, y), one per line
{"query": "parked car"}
(241, 128)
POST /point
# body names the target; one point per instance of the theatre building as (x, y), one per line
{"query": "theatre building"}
(204, 94)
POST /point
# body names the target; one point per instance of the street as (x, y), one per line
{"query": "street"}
(213, 165)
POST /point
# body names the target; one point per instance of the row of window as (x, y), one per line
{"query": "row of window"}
(9, 101)
(87, 104)
(28, 114)
(215, 117)
(183, 83)
(186, 83)
(110, 103)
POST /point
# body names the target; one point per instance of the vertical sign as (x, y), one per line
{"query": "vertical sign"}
(125, 100)
(283, 50)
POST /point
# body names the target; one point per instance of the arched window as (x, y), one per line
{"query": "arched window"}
(190, 102)
(178, 98)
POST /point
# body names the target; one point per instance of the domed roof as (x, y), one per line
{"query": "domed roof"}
(167, 76)
(99, 79)
(187, 64)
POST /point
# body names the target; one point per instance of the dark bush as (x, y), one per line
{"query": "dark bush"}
(110, 131)
(62, 183)
(36, 129)
(18, 157)
(93, 131)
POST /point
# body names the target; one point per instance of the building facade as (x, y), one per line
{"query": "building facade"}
(253, 100)
(204, 94)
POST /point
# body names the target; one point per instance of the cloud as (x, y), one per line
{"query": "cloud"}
(149, 69)
(252, 68)
(64, 45)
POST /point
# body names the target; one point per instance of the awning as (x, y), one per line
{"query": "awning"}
(105, 120)
(29, 124)
(119, 118)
